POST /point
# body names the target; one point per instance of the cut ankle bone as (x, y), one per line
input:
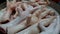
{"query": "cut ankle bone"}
(52, 19)
(39, 11)
(52, 13)
(52, 29)
(24, 6)
(44, 13)
(34, 19)
(46, 22)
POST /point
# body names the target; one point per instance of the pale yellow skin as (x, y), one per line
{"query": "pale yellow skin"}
(19, 27)
(31, 20)
(34, 28)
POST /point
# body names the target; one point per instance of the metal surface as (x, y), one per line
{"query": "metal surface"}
(55, 6)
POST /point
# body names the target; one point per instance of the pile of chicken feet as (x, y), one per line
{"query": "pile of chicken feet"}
(28, 17)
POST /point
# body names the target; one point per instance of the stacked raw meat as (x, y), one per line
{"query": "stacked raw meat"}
(28, 17)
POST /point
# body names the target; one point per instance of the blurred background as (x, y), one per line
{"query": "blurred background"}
(55, 4)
